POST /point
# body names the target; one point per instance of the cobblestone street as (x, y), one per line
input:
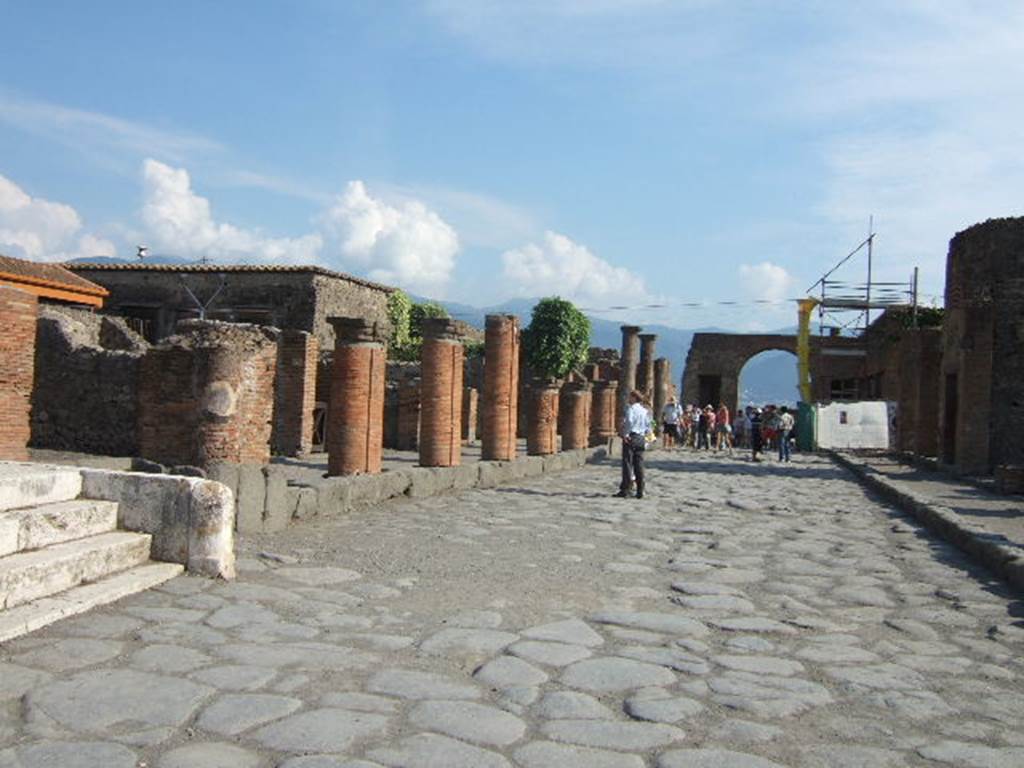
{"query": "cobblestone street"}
(741, 616)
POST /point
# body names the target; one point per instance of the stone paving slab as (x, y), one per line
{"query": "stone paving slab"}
(488, 629)
(987, 525)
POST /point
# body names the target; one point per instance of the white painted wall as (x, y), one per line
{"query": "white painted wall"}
(853, 425)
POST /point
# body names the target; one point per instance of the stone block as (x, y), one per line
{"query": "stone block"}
(532, 465)
(493, 473)
(154, 504)
(226, 473)
(301, 501)
(423, 482)
(465, 476)
(251, 498)
(26, 485)
(276, 513)
(334, 496)
(211, 531)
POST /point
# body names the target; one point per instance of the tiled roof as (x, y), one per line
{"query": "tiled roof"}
(46, 275)
(226, 268)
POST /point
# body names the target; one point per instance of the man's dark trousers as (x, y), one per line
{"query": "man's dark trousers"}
(632, 466)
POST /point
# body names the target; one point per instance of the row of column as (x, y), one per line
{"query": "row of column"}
(583, 412)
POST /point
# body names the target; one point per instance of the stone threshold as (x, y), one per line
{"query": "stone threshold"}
(996, 552)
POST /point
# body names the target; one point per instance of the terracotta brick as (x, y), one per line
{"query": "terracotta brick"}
(575, 404)
(628, 362)
(295, 393)
(18, 316)
(355, 432)
(440, 394)
(602, 412)
(500, 409)
(542, 418)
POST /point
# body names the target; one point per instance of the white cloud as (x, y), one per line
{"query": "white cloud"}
(766, 281)
(180, 223)
(404, 244)
(560, 266)
(42, 230)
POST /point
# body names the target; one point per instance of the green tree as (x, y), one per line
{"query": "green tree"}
(399, 315)
(557, 339)
(407, 325)
(420, 312)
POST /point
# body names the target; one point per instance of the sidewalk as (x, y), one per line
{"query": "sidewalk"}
(986, 525)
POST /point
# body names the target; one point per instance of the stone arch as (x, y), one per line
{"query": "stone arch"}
(713, 365)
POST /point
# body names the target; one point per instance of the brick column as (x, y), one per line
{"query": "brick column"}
(470, 403)
(628, 365)
(602, 412)
(355, 433)
(408, 430)
(542, 418)
(501, 388)
(18, 315)
(662, 385)
(575, 404)
(295, 392)
(645, 371)
(592, 371)
(207, 395)
(440, 394)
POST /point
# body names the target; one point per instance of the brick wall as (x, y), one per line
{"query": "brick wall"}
(295, 393)
(18, 312)
(207, 395)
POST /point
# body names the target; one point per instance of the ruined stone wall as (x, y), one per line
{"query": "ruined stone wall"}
(919, 365)
(334, 297)
(17, 351)
(982, 394)
(207, 395)
(86, 389)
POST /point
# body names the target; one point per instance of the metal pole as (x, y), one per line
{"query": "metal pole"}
(871, 238)
(914, 284)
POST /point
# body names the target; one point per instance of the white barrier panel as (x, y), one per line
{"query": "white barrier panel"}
(853, 425)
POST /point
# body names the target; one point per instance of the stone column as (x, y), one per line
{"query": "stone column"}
(592, 371)
(407, 436)
(355, 436)
(645, 373)
(440, 394)
(206, 395)
(576, 406)
(662, 385)
(470, 403)
(501, 388)
(542, 417)
(602, 412)
(628, 365)
(18, 315)
(295, 393)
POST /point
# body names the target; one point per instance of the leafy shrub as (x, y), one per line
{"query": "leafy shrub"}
(557, 339)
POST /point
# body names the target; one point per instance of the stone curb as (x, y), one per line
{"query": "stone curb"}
(994, 551)
(339, 495)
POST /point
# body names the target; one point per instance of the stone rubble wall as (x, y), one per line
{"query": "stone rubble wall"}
(86, 385)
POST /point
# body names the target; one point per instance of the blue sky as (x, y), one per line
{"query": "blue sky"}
(619, 152)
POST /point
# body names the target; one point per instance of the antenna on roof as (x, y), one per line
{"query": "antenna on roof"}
(141, 252)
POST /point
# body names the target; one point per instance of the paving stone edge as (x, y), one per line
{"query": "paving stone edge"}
(985, 547)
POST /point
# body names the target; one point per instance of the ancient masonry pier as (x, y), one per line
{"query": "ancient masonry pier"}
(470, 411)
(542, 417)
(662, 383)
(602, 412)
(295, 395)
(18, 315)
(645, 372)
(440, 394)
(407, 436)
(628, 361)
(206, 395)
(355, 432)
(501, 388)
(575, 405)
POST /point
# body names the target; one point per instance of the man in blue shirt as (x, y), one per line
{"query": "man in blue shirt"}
(636, 423)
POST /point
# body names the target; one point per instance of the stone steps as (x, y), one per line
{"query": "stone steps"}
(27, 576)
(39, 613)
(28, 485)
(48, 524)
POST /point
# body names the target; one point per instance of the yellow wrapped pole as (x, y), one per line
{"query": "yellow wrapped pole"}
(803, 347)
